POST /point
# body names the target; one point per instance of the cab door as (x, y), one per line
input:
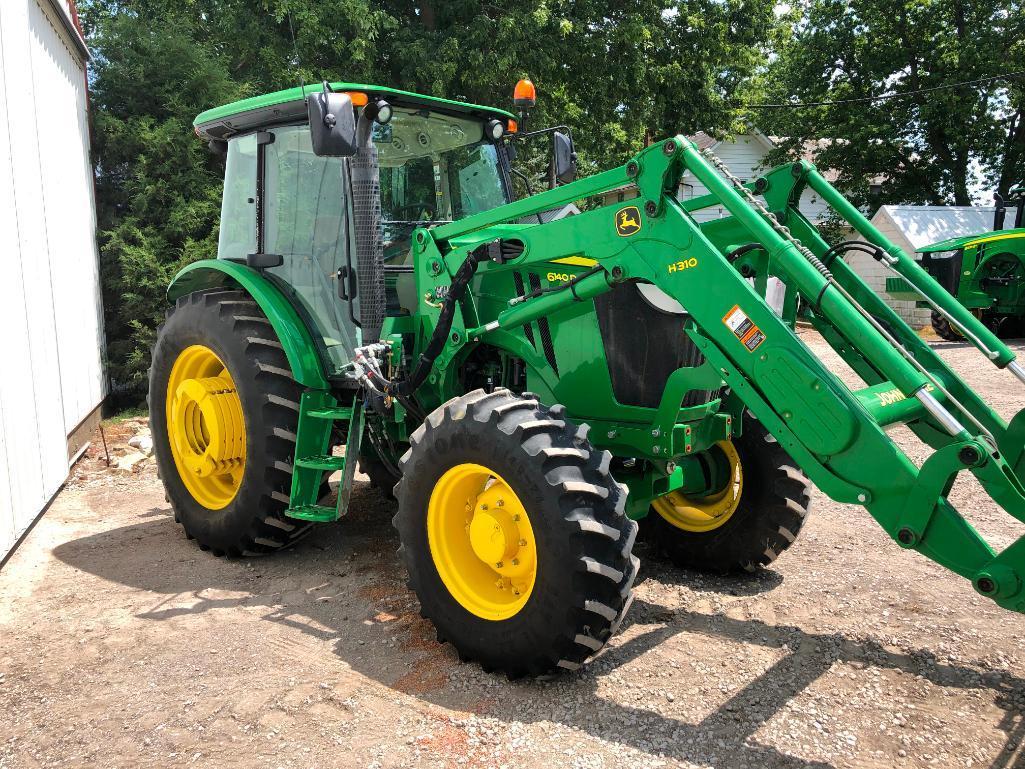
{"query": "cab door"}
(305, 219)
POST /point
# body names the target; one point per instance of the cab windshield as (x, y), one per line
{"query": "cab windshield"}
(434, 168)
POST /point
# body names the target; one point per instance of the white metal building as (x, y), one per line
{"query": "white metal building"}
(51, 372)
(912, 228)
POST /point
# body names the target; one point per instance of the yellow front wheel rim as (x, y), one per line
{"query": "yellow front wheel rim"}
(481, 542)
(703, 514)
(205, 427)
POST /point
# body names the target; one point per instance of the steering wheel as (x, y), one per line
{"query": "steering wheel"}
(414, 208)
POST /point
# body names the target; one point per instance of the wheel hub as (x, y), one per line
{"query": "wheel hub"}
(208, 418)
(493, 535)
(481, 541)
(206, 427)
(701, 514)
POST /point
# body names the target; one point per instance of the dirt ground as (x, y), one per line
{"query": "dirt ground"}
(123, 645)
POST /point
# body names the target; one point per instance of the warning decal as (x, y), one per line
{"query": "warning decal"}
(742, 327)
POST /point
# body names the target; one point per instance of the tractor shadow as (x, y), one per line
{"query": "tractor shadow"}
(344, 586)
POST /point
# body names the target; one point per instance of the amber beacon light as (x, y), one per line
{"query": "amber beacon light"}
(525, 94)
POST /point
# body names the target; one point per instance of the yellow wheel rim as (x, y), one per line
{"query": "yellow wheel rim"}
(706, 513)
(205, 427)
(481, 542)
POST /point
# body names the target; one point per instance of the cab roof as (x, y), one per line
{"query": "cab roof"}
(956, 244)
(290, 105)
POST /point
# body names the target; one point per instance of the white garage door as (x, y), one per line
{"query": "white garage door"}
(50, 314)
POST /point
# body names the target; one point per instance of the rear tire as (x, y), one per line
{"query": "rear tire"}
(232, 326)
(580, 539)
(774, 502)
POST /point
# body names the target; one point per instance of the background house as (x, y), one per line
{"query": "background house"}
(744, 154)
(51, 378)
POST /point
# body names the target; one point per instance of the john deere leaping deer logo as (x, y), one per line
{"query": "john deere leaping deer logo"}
(628, 220)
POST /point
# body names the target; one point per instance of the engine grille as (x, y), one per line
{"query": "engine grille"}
(643, 346)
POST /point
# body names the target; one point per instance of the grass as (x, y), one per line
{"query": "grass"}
(126, 414)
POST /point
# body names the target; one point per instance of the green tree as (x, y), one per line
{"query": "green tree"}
(927, 148)
(157, 190)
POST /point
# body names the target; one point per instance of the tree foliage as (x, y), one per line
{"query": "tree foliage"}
(932, 147)
(617, 73)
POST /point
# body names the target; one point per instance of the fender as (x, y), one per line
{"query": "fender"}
(293, 334)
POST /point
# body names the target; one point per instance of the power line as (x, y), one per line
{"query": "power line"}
(885, 96)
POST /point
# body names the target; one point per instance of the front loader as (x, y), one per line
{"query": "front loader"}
(535, 386)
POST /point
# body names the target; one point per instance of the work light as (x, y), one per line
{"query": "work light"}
(383, 110)
(494, 129)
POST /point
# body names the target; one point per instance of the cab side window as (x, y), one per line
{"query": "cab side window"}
(237, 237)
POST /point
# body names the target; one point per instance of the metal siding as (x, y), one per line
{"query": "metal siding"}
(49, 300)
(63, 130)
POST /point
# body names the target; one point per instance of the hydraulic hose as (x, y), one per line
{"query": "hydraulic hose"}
(406, 387)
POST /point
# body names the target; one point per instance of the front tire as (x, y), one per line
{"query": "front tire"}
(223, 413)
(513, 534)
(943, 328)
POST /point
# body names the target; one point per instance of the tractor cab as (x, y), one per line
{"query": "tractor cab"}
(298, 193)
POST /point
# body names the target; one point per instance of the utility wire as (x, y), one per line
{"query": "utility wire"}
(885, 96)
(295, 51)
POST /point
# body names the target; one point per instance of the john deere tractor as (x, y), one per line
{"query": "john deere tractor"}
(533, 386)
(984, 271)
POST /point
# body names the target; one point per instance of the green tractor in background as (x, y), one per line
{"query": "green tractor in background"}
(532, 388)
(985, 272)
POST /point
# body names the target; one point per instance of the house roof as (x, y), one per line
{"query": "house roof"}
(703, 140)
(925, 225)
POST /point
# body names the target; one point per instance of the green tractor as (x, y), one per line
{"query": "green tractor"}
(533, 386)
(985, 272)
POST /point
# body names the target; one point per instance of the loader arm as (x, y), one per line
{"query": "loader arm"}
(837, 435)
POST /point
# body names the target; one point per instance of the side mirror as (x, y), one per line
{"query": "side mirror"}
(332, 123)
(564, 158)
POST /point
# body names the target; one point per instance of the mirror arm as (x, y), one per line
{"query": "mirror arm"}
(539, 132)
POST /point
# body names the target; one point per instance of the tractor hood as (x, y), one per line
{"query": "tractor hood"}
(956, 244)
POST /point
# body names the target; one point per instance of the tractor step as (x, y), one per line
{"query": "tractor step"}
(322, 462)
(316, 513)
(319, 414)
(342, 413)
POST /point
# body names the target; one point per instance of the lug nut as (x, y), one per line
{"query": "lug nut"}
(500, 503)
(516, 562)
(523, 543)
(499, 565)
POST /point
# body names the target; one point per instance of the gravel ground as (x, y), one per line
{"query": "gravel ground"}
(123, 645)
